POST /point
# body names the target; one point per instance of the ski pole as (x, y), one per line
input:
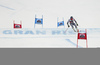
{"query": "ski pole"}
(66, 30)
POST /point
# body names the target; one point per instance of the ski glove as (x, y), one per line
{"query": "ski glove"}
(77, 24)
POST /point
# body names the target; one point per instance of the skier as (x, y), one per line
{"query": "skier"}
(72, 22)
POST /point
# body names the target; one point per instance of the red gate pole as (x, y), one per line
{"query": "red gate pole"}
(77, 43)
(21, 24)
(86, 39)
(77, 39)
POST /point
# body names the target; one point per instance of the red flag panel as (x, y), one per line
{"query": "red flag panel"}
(82, 36)
(17, 26)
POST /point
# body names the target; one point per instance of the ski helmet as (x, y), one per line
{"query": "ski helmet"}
(71, 17)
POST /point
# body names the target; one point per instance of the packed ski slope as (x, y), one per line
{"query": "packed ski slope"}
(86, 13)
(48, 37)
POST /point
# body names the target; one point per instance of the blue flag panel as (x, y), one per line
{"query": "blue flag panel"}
(38, 21)
(60, 23)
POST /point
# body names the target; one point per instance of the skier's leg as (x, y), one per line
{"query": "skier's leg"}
(76, 27)
(72, 27)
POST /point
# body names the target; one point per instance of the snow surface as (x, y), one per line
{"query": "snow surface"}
(86, 13)
(48, 38)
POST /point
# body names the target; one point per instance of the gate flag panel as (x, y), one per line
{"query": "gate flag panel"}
(38, 21)
(17, 25)
(61, 23)
(82, 36)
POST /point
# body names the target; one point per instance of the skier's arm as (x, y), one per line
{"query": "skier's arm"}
(68, 24)
(76, 22)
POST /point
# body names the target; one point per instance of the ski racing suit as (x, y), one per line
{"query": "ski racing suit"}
(72, 23)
